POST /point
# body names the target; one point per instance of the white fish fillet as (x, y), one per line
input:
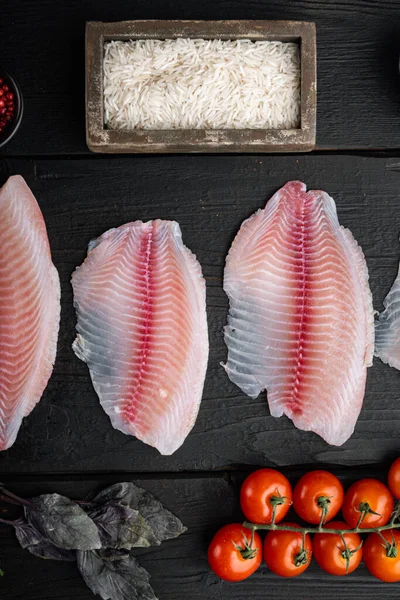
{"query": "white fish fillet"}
(387, 328)
(29, 307)
(142, 330)
(300, 322)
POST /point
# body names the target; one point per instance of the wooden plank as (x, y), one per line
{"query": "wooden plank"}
(178, 568)
(209, 196)
(357, 48)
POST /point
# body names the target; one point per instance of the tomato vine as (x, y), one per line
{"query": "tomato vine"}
(367, 507)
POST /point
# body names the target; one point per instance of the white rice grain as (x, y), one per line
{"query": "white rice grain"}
(201, 84)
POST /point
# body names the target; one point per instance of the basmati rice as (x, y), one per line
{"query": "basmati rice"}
(201, 84)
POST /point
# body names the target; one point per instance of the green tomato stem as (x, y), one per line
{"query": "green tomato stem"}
(323, 503)
(305, 530)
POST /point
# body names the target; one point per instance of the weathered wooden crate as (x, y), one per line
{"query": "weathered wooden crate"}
(101, 139)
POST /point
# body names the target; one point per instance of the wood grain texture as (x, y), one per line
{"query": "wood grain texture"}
(209, 196)
(178, 568)
(68, 435)
(357, 48)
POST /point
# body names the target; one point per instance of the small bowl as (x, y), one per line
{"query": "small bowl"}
(10, 129)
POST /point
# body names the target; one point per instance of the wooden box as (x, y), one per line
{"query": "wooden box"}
(101, 139)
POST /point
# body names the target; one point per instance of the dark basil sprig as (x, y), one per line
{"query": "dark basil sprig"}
(98, 534)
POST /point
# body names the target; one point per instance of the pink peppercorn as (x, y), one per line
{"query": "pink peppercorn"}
(7, 105)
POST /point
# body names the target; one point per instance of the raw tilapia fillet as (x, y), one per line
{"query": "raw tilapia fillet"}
(300, 322)
(29, 307)
(142, 330)
(387, 328)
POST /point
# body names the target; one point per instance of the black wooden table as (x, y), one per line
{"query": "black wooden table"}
(67, 444)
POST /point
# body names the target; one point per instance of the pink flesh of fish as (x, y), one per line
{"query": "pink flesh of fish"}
(142, 330)
(387, 328)
(29, 307)
(300, 323)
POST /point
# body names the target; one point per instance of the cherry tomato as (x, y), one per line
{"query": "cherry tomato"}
(318, 497)
(230, 555)
(394, 479)
(283, 552)
(383, 561)
(332, 555)
(261, 491)
(364, 498)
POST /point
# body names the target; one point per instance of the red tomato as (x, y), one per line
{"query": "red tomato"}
(383, 562)
(364, 496)
(394, 479)
(318, 497)
(332, 555)
(230, 555)
(261, 491)
(283, 552)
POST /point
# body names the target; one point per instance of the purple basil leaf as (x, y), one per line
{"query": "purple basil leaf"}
(121, 527)
(112, 553)
(163, 523)
(32, 540)
(63, 522)
(122, 579)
